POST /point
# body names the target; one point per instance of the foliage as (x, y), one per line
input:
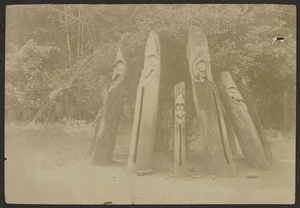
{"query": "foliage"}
(56, 48)
(26, 83)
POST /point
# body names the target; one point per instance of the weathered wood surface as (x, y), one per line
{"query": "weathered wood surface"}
(242, 123)
(97, 122)
(96, 130)
(246, 94)
(179, 131)
(285, 110)
(231, 134)
(146, 108)
(112, 110)
(208, 106)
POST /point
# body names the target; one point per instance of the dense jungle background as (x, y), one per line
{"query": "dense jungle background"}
(59, 58)
(59, 61)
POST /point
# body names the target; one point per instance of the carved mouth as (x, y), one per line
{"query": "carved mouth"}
(148, 74)
(116, 76)
(118, 73)
(237, 100)
(202, 74)
(180, 116)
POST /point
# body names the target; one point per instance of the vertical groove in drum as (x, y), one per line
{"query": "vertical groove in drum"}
(139, 126)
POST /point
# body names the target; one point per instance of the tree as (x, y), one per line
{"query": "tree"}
(239, 39)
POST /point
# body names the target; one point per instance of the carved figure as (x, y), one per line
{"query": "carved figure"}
(242, 123)
(179, 131)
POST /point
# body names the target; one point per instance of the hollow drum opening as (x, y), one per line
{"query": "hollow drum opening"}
(139, 126)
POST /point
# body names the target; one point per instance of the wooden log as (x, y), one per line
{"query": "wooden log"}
(112, 110)
(208, 106)
(242, 123)
(246, 94)
(146, 108)
(179, 131)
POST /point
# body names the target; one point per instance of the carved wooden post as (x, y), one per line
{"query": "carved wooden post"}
(146, 108)
(179, 131)
(246, 94)
(112, 111)
(242, 123)
(208, 106)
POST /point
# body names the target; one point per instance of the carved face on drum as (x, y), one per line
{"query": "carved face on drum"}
(180, 112)
(119, 69)
(201, 66)
(231, 89)
(198, 55)
(120, 66)
(152, 60)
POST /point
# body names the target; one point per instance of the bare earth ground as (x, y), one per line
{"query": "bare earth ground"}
(49, 164)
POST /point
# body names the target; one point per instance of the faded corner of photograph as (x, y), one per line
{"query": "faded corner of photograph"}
(150, 104)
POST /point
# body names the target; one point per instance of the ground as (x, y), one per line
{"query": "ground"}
(50, 164)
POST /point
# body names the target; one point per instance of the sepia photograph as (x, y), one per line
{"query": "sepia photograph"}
(150, 104)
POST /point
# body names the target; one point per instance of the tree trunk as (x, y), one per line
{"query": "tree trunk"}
(179, 131)
(245, 130)
(37, 115)
(82, 39)
(78, 36)
(246, 94)
(257, 104)
(68, 38)
(49, 110)
(145, 116)
(106, 137)
(65, 104)
(208, 106)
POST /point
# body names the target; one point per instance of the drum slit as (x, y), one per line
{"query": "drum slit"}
(139, 125)
(180, 133)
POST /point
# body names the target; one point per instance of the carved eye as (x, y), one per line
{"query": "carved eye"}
(201, 66)
(152, 60)
(233, 90)
(182, 107)
(120, 66)
(179, 107)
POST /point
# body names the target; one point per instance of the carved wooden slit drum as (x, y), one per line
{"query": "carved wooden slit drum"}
(208, 106)
(242, 123)
(247, 97)
(146, 108)
(179, 131)
(112, 110)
